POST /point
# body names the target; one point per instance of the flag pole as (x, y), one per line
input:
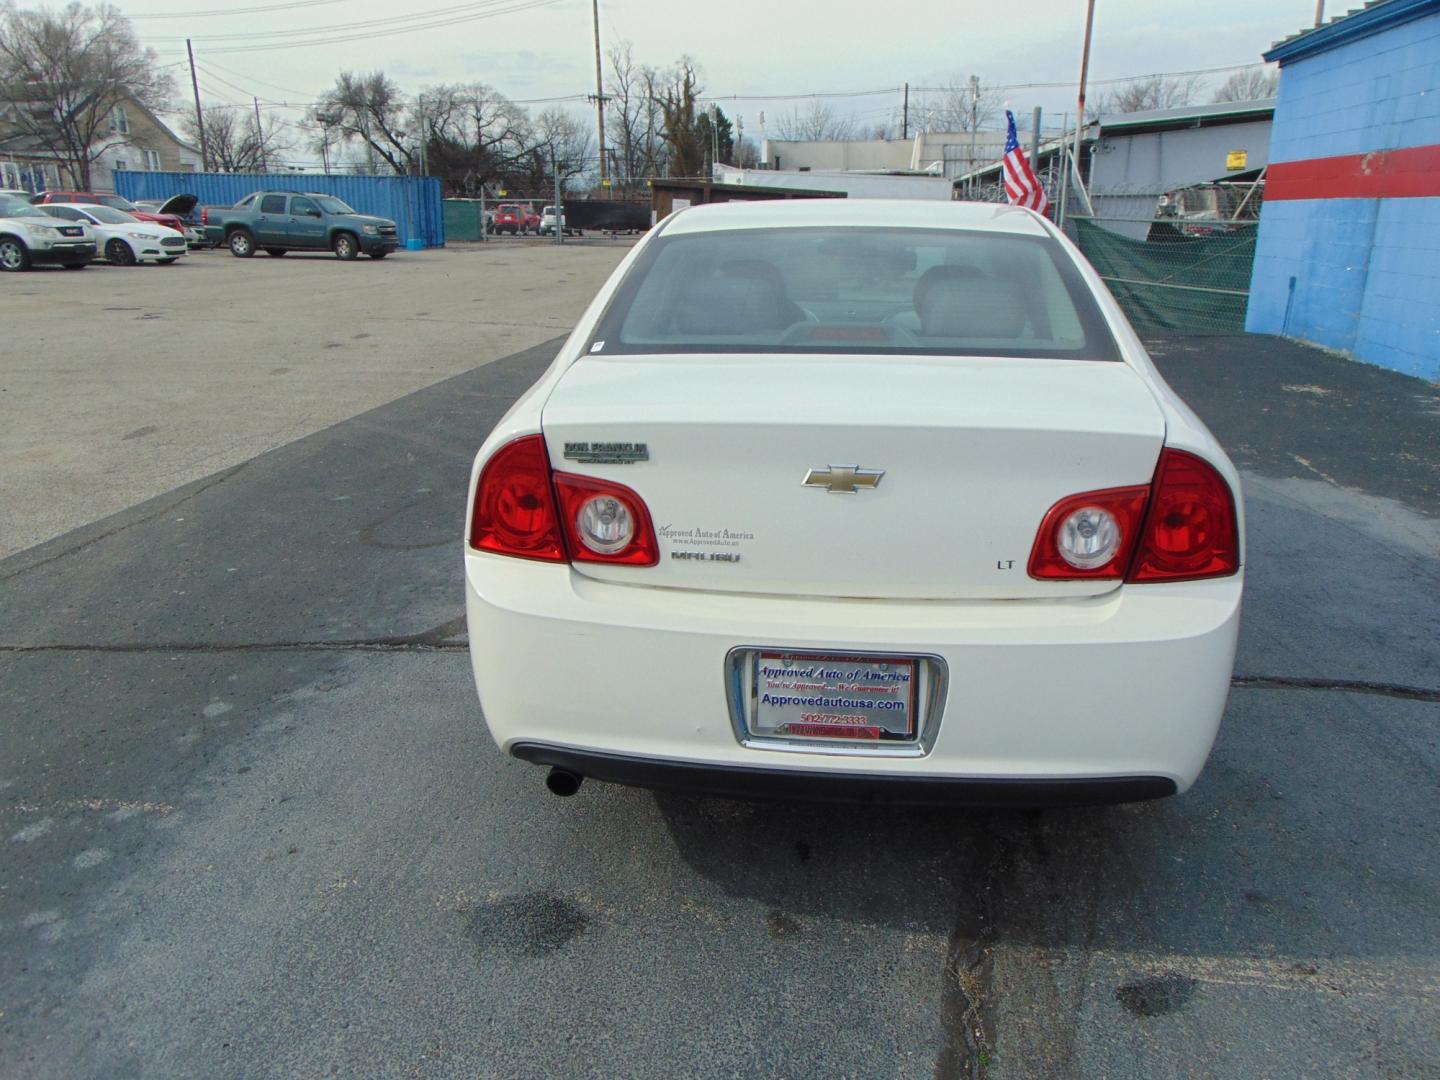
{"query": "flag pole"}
(1084, 78)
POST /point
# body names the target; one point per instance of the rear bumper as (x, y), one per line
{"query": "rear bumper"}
(1118, 687)
(812, 786)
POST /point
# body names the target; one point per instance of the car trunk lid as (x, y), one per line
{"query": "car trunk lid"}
(959, 459)
(178, 205)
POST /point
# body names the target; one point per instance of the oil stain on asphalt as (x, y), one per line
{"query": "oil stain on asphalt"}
(535, 924)
(1157, 995)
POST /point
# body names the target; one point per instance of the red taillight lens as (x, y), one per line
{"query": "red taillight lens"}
(515, 510)
(1110, 519)
(1181, 527)
(1190, 531)
(605, 522)
(204, 217)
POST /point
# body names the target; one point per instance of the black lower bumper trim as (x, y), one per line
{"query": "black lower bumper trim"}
(771, 783)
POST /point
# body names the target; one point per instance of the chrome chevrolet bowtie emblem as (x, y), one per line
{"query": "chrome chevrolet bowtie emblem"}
(843, 479)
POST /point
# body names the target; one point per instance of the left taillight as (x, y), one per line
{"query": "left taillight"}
(525, 510)
(1088, 536)
(515, 512)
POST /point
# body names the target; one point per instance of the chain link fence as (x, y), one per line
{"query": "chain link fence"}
(1170, 274)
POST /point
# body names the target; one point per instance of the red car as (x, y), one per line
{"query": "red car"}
(95, 198)
(515, 218)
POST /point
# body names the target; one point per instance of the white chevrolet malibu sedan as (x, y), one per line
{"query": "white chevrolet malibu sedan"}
(856, 499)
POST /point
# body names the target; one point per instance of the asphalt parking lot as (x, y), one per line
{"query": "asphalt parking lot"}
(251, 823)
(120, 383)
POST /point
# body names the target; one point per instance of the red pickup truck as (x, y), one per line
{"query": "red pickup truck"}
(516, 218)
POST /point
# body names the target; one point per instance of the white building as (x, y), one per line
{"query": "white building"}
(855, 185)
(948, 154)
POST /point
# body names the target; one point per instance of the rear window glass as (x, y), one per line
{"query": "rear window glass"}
(863, 290)
(272, 204)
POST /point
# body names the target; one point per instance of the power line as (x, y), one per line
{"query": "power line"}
(383, 33)
(235, 11)
(475, 8)
(262, 82)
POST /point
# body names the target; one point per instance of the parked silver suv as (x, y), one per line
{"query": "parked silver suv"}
(29, 236)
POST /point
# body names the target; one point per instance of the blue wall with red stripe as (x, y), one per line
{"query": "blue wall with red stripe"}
(1360, 274)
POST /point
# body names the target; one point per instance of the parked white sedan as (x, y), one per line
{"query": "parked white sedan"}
(856, 498)
(124, 240)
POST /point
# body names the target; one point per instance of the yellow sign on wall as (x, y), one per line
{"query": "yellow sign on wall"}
(1236, 159)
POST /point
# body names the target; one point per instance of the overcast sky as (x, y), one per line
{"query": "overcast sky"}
(743, 47)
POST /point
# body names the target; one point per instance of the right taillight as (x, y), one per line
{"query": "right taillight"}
(515, 511)
(204, 217)
(1179, 528)
(1190, 529)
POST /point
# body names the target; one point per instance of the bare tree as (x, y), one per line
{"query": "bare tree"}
(369, 109)
(235, 143)
(959, 105)
(476, 136)
(1249, 84)
(681, 131)
(635, 117)
(564, 144)
(1155, 92)
(67, 72)
(819, 122)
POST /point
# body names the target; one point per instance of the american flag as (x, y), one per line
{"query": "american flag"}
(1020, 184)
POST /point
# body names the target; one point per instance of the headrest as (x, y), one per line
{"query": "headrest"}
(743, 296)
(962, 306)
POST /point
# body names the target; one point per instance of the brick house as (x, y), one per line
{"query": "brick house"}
(134, 139)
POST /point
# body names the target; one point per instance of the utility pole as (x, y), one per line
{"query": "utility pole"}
(1319, 12)
(424, 139)
(559, 205)
(905, 114)
(974, 123)
(740, 141)
(599, 100)
(1035, 141)
(259, 138)
(199, 116)
(1062, 155)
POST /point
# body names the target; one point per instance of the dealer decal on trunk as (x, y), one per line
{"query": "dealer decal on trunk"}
(607, 453)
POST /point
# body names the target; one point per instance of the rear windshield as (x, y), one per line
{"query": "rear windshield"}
(861, 290)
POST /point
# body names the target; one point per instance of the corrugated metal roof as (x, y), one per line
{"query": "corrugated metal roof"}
(1190, 115)
(1373, 17)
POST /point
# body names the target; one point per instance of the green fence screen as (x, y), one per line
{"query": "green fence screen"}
(1173, 281)
(462, 219)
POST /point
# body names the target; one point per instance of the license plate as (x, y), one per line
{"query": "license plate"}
(809, 696)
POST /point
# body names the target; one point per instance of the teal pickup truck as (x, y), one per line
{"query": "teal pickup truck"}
(279, 221)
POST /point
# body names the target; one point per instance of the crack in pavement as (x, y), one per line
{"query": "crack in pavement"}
(967, 1014)
(436, 639)
(1346, 686)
